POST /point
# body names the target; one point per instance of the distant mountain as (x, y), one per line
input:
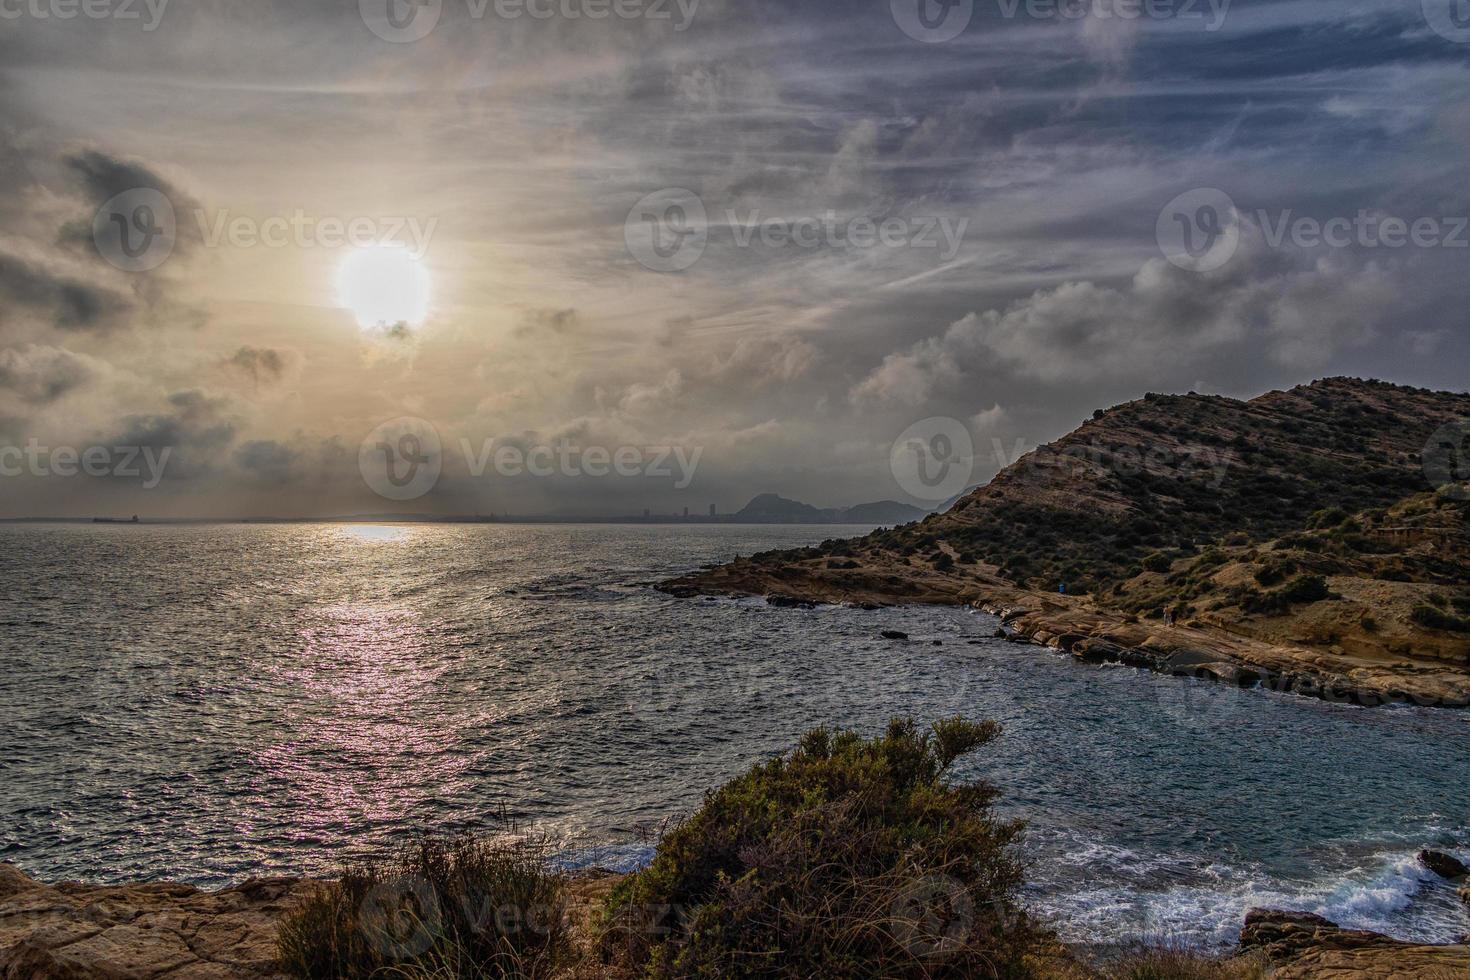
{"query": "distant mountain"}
(770, 508)
(882, 512)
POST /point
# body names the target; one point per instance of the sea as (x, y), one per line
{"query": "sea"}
(209, 703)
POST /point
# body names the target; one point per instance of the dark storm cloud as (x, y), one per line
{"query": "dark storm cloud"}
(196, 432)
(102, 176)
(262, 364)
(267, 461)
(67, 303)
(41, 375)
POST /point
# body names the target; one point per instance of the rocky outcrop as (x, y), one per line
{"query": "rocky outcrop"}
(1091, 632)
(1300, 945)
(1444, 865)
(140, 932)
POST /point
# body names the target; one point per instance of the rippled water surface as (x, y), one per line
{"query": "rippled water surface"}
(206, 703)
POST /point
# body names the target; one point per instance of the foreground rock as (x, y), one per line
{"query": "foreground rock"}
(1300, 945)
(139, 932)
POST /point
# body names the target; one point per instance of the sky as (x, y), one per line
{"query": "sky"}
(587, 257)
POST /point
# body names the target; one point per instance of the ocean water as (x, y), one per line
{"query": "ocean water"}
(207, 703)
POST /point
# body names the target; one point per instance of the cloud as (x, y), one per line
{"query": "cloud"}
(102, 176)
(40, 375)
(68, 304)
(1297, 309)
(267, 461)
(262, 364)
(197, 429)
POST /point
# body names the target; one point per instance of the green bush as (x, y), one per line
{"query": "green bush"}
(1158, 562)
(1306, 588)
(849, 857)
(459, 909)
(1436, 618)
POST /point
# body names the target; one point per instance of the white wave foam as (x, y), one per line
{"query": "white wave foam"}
(1389, 893)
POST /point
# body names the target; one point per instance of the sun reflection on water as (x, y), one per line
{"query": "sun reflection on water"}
(375, 533)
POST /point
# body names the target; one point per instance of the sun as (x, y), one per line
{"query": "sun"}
(383, 286)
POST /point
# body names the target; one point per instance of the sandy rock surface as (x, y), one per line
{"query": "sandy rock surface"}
(139, 932)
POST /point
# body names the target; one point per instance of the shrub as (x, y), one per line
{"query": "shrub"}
(848, 857)
(1436, 618)
(1178, 963)
(1158, 562)
(459, 909)
(1306, 588)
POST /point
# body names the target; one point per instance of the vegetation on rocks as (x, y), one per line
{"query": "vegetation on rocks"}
(456, 909)
(848, 857)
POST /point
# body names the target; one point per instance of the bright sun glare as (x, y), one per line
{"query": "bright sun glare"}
(383, 286)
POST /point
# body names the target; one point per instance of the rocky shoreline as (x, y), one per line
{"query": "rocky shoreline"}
(1092, 633)
(71, 931)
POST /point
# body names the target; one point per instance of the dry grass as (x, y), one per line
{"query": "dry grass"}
(458, 909)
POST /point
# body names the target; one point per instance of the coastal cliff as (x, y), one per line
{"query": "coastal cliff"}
(1305, 540)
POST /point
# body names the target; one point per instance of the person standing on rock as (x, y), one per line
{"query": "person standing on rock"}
(1169, 616)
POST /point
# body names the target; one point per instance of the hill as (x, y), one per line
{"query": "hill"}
(1296, 527)
(769, 508)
